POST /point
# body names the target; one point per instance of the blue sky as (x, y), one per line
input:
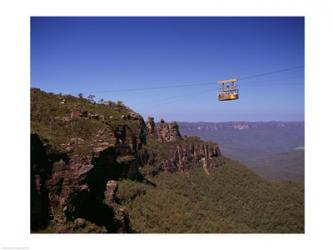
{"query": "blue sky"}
(96, 55)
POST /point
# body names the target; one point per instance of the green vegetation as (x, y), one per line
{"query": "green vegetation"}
(282, 166)
(54, 117)
(230, 200)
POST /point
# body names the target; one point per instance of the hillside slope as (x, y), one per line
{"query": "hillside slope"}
(232, 199)
(101, 168)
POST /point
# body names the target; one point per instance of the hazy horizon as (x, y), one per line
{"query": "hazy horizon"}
(268, 121)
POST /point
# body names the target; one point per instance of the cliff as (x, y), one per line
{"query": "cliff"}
(163, 132)
(80, 150)
(100, 168)
(167, 150)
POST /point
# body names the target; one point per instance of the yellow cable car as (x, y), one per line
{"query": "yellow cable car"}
(229, 90)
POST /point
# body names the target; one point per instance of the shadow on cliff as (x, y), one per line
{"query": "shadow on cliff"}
(41, 161)
(87, 203)
(91, 205)
(93, 209)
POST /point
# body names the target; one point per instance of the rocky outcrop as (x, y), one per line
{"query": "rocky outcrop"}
(79, 222)
(64, 189)
(167, 132)
(167, 150)
(74, 174)
(188, 153)
(150, 124)
(164, 132)
(110, 192)
(189, 156)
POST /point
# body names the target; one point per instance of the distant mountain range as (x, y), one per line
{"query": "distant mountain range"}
(274, 150)
(216, 126)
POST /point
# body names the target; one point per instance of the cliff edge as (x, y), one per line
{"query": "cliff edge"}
(81, 149)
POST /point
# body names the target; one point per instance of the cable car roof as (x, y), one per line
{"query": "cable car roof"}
(228, 81)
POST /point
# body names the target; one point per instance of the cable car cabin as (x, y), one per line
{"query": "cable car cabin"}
(228, 91)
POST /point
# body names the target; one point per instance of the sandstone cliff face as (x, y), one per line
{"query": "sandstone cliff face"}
(186, 154)
(164, 132)
(75, 152)
(64, 189)
(150, 125)
(79, 150)
(169, 151)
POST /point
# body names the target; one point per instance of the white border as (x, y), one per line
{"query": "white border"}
(14, 112)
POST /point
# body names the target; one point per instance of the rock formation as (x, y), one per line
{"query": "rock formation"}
(65, 187)
(150, 126)
(187, 154)
(167, 132)
(110, 192)
(75, 168)
(164, 132)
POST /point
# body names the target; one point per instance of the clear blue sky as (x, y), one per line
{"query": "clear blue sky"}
(88, 55)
